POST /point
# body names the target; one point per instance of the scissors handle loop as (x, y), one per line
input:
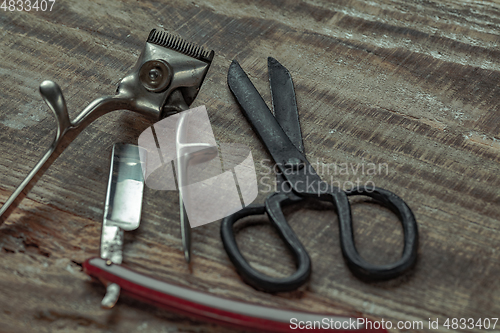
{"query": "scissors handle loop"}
(356, 263)
(358, 266)
(250, 275)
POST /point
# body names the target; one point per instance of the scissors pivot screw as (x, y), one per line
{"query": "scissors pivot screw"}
(294, 163)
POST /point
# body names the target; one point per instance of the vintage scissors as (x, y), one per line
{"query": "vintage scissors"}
(296, 180)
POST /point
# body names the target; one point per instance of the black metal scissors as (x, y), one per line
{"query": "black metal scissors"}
(297, 179)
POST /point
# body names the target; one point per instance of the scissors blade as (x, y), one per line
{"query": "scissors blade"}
(284, 102)
(260, 117)
(277, 142)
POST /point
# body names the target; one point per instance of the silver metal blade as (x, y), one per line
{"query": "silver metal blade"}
(181, 137)
(125, 188)
(284, 102)
(185, 230)
(122, 210)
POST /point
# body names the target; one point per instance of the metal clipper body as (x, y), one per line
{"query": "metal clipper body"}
(167, 76)
(165, 80)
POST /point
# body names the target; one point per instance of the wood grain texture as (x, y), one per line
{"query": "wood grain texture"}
(410, 85)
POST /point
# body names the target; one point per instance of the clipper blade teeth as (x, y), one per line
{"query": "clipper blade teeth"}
(180, 45)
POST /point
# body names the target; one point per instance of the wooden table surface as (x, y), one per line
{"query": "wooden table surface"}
(413, 87)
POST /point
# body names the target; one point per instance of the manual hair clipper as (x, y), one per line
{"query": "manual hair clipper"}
(165, 80)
